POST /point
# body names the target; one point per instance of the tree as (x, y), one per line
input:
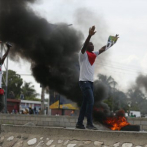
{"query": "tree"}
(137, 99)
(15, 87)
(108, 81)
(14, 83)
(29, 91)
(116, 99)
(120, 100)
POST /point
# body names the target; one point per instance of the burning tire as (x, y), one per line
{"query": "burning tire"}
(131, 128)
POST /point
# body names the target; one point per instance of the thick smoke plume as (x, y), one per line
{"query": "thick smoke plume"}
(142, 81)
(51, 48)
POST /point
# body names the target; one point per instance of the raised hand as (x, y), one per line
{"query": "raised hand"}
(92, 31)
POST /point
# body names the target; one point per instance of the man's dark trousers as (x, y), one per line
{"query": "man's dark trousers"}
(88, 102)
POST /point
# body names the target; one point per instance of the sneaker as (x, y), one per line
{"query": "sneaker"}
(91, 127)
(80, 126)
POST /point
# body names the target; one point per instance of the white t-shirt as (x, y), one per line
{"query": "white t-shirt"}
(86, 69)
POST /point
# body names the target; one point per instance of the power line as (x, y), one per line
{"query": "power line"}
(113, 69)
(119, 67)
(120, 64)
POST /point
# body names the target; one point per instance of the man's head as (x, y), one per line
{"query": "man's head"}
(90, 47)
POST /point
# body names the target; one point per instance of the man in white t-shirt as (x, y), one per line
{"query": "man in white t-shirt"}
(87, 58)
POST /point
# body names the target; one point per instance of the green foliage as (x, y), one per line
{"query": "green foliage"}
(15, 85)
(14, 82)
(116, 99)
(119, 100)
(137, 99)
(29, 91)
(32, 99)
(108, 81)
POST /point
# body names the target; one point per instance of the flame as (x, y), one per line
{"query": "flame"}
(116, 123)
(113, 121)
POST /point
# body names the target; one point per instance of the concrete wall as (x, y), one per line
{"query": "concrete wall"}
(58, 121)
(39, 120)
(74, 136)
(138, 121)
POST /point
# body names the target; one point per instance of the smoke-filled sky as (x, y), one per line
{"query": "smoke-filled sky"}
(126, 59)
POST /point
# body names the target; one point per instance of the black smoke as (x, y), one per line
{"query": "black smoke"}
(52, 49)
(141, 81)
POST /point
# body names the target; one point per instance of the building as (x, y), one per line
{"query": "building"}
(13, 105)
(60, 105)
(26, 104)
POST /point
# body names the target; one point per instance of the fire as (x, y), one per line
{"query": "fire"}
(116, 123)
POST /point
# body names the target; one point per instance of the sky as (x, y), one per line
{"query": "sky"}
(126, 59)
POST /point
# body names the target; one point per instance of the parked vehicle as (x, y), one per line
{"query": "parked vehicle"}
(135, 114)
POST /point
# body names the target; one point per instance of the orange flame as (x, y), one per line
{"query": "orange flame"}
(116, 123)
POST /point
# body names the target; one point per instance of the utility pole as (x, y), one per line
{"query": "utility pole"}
(49, 110)
(6, 92)
(59, 102)
(2, 98)
(42, 100)
(2, 45)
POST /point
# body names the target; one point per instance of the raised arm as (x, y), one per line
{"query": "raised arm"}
(6, 53)
(91, 33)
(102, 49)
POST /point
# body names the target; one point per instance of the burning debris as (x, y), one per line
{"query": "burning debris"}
(117, 122)
(114, 122)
